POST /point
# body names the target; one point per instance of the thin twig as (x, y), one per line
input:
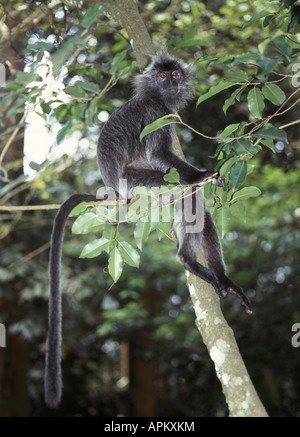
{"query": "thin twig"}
(29, 256)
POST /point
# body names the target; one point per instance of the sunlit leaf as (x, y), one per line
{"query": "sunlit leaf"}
(78, 209)
(141, 233)
(245, 193)
(95, 248)
(88, 222)
(172, 177)
(157, 124)
(129, 253)
(115, 264)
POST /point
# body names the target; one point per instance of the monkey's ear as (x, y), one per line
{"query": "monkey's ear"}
(190, 70)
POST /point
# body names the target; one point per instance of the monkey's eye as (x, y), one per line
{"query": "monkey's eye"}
(176, 74)
(162, 76)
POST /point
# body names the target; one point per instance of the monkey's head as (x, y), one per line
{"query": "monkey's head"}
(167, 80)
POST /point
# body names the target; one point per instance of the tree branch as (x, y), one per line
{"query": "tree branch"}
(218, 337)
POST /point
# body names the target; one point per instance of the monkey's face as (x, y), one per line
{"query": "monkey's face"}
(166, 80)
(169, 82)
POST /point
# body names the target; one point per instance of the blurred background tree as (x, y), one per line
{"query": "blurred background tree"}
(132, 349)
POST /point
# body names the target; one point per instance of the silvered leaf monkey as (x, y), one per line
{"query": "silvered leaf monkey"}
(163, 88)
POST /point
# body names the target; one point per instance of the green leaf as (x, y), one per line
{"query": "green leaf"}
(256, 102)
(216, 59)
(222, 218)
(172, 177)
(93, 109)
(129, 253)
(78, 209)
(282, 45)
(61, 111)
(237, 76)
(269, 144)
(267, 65)
(190, 32)
(157, 124)
(141, 233)
(91, 14)
(115, 264)
(88, 222)
(271, 132)
(235, 95)
(272, 92)
(228, 130)
(87, 86)
(233, 78)
(238, 173)
(74, 91)
(65, 130)
(35, 166)
(244, 145)
(116, 61)
(163, 229)
(25, 78)
(246, 56)
(221, 86)
(228, 164)
(41, 46)
(256, 17)
(238, 210)
(111, 234)
(95, 248)
(245, 193)
(65, 51)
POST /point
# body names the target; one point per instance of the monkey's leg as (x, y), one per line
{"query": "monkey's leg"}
(187, 254)
(143, 177)
(213, 254)
(188, 226)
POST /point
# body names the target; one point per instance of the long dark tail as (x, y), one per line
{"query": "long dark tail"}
(53, 378)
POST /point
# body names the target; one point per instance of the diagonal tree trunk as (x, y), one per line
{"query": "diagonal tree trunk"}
(238, 389)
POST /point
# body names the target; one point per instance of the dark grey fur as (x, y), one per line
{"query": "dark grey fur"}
(121, 155)
(53, 379)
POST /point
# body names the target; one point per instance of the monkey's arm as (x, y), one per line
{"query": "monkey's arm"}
(187, 172)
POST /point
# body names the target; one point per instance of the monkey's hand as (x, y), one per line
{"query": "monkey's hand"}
(217, 180)
(221, 181)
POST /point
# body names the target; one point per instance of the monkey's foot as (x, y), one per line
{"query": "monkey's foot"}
(227, 286)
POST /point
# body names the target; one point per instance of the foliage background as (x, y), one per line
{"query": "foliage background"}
(135, 343)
